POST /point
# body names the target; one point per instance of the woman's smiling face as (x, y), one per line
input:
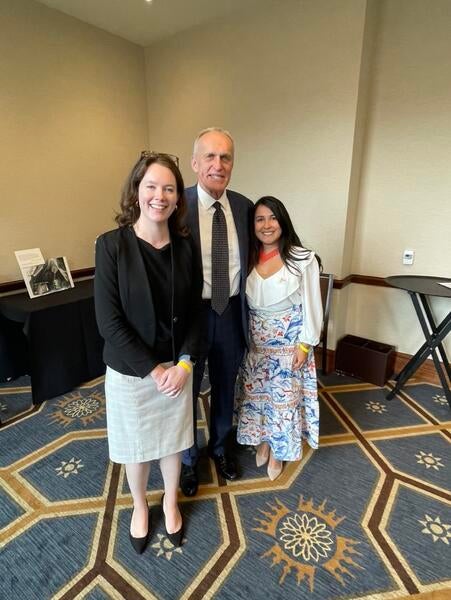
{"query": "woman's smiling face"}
(267, 228)
(157, 194)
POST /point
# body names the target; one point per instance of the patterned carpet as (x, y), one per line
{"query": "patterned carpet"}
(368, 515)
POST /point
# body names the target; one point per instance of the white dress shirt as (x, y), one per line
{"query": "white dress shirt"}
(206, 212)
(284, 288)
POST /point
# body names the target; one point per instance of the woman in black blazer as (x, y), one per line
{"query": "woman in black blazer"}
(148, 287)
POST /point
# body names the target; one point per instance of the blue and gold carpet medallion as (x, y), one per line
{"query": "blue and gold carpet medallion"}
(307, 539)
(367, 515)
(79, 407)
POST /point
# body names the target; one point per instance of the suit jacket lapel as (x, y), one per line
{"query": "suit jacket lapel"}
(192, 202)
(241, 224)
(239, 212)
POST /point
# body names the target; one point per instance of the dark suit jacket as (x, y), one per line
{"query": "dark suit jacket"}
(124, 307)
(241, 208)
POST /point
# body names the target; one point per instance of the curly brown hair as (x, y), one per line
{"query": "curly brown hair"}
(129, 205)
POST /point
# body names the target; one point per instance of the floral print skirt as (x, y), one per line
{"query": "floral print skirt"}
(275, 403)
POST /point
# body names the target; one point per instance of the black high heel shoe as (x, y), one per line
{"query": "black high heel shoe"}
(176, 537)
(140, 543)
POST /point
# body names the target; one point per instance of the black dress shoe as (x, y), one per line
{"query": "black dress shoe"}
(188, 480)
(140, 544)
(225, 466)
(176, 537)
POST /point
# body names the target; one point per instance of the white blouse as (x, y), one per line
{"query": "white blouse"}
(286, 288)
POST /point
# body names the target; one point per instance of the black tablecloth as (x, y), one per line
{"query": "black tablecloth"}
(64, 345)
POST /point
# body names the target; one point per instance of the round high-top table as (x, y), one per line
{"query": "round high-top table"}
(420, 288)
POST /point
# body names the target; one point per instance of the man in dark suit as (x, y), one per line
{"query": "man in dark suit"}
(219, 223)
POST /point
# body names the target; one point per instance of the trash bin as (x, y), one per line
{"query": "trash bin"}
(365, 359)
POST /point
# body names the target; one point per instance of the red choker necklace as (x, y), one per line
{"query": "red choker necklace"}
(263, 257)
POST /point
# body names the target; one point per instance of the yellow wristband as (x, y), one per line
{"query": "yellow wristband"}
(304, 348)
(184, 365)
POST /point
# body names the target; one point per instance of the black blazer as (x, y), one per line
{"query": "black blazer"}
(124, 307)
(241, 210)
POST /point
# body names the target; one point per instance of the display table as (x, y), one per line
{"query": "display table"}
(64, 345)
(419, 289)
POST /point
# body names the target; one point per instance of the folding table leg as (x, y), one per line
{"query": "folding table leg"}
(434, 335)
(409, 369)
(438, 333)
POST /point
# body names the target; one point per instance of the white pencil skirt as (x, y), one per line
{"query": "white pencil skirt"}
(144, 424)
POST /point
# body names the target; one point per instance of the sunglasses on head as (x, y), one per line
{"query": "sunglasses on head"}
(153, 154)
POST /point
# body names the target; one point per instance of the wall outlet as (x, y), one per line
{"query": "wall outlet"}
(408, 257)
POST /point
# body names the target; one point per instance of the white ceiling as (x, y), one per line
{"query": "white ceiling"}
(144, 22)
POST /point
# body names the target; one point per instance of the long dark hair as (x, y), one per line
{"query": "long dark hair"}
(129, 204)
(288, 240)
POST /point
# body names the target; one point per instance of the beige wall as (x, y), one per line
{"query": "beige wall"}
(285, 82)
(72, 120)
(340, 108)
(405, 192)
(405, 199)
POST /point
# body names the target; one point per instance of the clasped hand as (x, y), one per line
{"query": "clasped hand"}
(169, 380)
(299, 358)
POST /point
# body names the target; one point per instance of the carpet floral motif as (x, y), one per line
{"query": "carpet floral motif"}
(69, 467)
(165, 548)
(307, 540)
(435, 528)
(306, 537)
(76, 407)
(429, 460)
(376, 407)
(439, 399)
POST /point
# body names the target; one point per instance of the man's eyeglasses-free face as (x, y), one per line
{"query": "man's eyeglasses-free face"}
(153, 154)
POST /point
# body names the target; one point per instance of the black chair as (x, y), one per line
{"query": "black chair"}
(327, 285)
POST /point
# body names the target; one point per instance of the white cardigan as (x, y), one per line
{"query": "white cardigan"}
(286, 288)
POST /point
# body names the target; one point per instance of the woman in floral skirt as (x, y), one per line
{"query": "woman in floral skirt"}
(277, 400)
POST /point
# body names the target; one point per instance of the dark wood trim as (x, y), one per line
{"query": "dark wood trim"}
(341, 283)
(13, 286)
(362, 279)
(81, 273)
(19, 285)
(369, 280)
